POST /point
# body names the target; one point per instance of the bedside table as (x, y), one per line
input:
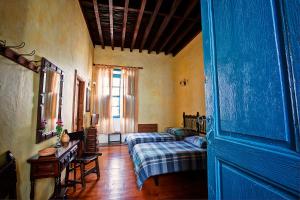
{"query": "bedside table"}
(114, 141)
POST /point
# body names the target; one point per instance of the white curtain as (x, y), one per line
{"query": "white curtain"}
(129, 100)
(102, 77)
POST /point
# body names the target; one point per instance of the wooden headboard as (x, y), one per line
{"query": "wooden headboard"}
(8, 177)
(145, 128)
(202, 124)
(195, 122)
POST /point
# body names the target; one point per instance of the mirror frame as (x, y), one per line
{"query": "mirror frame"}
(46, 65)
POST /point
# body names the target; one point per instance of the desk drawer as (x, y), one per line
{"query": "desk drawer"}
(68, 157)
(45, 169)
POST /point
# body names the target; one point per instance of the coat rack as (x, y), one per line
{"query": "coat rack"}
(8, 52)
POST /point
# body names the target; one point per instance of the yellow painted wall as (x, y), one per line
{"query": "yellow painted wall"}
(56, 30)
(162, 98)
(188, 64)
(156, 89)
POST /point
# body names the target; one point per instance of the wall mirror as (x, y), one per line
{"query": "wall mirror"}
(50, 100)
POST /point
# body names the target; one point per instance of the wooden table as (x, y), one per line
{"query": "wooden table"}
(52, 166)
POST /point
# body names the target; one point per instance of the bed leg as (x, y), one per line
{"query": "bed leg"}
(156, 180)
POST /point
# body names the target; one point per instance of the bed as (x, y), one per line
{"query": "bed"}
(156, 158)
(191, 127)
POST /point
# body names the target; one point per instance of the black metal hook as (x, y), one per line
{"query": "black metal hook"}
(3, 43)
(18, 46)
(28, 54)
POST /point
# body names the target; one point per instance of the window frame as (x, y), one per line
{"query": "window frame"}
(117, 96)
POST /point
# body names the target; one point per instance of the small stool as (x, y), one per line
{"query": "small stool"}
(114, 141)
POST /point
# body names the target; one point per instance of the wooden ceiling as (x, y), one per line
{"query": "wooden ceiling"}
(151, 25)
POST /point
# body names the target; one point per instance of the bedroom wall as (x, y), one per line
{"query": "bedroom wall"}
(156, 103)
(188, 64)
(57, 31)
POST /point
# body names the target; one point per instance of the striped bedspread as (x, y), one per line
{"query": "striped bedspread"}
(137, 138)
(166, 157)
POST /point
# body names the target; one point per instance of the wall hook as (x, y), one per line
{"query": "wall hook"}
(28, 54)
(8, 52)
(18, 46)
(3, 43)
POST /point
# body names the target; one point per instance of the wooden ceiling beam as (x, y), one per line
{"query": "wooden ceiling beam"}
(138, 23)
(149, 26)
(124, 23)
(111, 23)
(164, 24)
(180, 37)
(121, 8)
(96, 12)
(176, 27)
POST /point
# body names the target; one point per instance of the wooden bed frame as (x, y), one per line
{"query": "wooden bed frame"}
(8, 177)
(145, 128)
(195, 122)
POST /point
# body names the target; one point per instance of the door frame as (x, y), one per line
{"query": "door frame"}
(81, 91)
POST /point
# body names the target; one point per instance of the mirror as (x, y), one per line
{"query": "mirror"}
(50, 100)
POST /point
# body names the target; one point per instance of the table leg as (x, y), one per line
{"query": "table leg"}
(32, 188)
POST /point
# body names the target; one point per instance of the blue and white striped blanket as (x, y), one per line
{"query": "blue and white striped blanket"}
(152, 159)
(137, 138)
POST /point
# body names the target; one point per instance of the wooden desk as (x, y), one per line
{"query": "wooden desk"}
(52, 166)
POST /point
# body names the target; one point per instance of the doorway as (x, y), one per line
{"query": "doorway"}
(78, 103)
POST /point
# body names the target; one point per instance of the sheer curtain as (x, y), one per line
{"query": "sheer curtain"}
(102, 76)
(129, 100)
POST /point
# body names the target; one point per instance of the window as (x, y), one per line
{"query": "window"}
(116, 87)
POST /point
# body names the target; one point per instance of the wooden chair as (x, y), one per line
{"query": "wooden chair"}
(82, 159)
(8, 177)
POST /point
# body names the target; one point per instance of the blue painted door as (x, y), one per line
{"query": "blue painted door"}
(252, 68)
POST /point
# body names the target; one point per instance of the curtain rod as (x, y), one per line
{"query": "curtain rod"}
(117, 66)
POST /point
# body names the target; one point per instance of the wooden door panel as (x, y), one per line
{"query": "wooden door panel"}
(252, 112)
(292, 45)
(75, 114)
(238, 183)
(250, 95)
(280, 169)
(80, 106)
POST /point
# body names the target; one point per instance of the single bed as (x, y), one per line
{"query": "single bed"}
(138, 138)
(156, 158)
(192, 126)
